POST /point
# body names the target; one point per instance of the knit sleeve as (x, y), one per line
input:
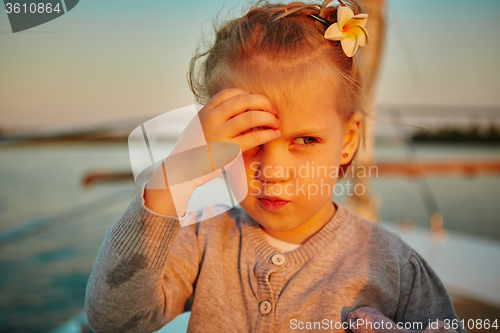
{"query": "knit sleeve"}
(144, 273)
(423, 297)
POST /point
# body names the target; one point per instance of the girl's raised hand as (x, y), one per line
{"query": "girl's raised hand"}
(231, 115)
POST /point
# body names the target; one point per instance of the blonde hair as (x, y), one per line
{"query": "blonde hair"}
(283, 45)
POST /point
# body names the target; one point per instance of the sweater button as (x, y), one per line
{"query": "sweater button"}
(265, 307)
(278, 259)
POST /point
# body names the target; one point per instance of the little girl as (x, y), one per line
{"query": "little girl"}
(282, 83)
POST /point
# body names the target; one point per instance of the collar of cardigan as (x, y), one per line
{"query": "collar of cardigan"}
(305, 252)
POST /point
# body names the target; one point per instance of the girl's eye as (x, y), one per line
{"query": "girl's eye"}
(305, 140)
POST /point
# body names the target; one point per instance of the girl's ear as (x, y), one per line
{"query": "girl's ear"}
(351, 137)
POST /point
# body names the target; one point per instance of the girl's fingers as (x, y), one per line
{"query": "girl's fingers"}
(223, 96)
(249, 120)
(255, 138)
(241, 103)
(233, 102)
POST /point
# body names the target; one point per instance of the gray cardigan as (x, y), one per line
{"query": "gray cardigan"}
(149, 270)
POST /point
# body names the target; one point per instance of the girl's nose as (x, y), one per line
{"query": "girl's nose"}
(273, 166)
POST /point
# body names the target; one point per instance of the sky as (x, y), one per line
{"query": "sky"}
(107, 61)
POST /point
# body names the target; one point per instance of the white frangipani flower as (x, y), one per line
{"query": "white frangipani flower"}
(349, 30)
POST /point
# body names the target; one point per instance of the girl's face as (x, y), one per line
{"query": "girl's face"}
(300, 167)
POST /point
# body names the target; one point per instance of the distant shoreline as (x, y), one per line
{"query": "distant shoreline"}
(457, 135)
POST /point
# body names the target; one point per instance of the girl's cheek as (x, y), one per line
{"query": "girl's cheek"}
(254, 188)
(251, 165)
(250, 154)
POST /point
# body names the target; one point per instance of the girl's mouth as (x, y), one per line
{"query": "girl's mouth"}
(272, 204)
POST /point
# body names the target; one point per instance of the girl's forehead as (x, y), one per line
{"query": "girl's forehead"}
(311, 115)
(306, 105)
(306, 93)
(301, 91)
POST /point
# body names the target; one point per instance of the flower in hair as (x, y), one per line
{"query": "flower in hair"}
(349, 30)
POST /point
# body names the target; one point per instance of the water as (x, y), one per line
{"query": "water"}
(44, 275)
(468, 204)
